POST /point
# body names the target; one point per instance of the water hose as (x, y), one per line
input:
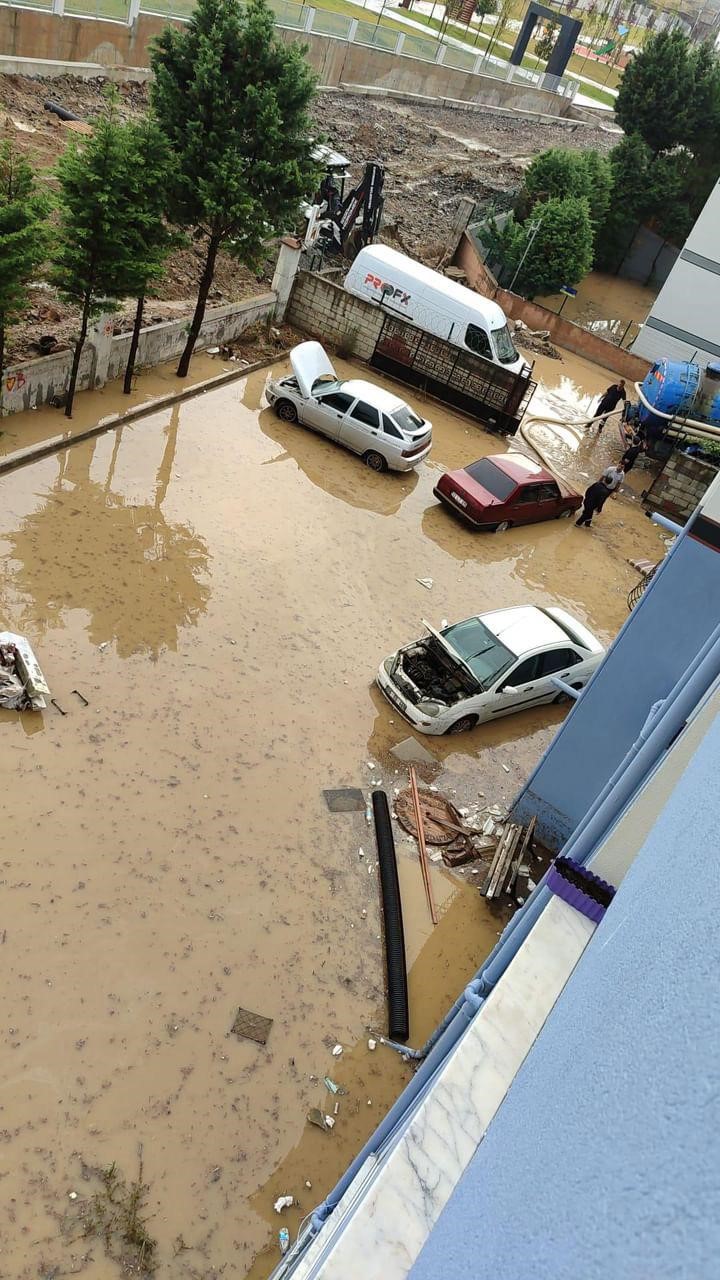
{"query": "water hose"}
(398, 1019)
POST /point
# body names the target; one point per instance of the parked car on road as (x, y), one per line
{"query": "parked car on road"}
(503, 490)
(370, 421)
(488, 666)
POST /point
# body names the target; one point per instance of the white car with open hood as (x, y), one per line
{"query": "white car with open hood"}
(488, 666)
(370, 421)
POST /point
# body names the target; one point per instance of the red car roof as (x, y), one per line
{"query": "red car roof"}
(520, 468)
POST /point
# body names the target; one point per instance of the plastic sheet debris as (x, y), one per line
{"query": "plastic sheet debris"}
(337, 1050)
(284, 1239)
(251, 1026)
(317, 1117)
(332, 1087)
(425, 582)
(284, 1202)
(372, 1044)
(412, 752)
(22, 684)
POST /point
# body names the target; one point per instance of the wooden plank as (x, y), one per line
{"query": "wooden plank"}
(493, 865)
(498, 879)
(421, 843)
(523, 850)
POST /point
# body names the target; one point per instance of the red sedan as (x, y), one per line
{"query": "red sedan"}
(503, 490)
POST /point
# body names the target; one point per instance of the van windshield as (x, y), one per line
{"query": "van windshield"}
(504, 346)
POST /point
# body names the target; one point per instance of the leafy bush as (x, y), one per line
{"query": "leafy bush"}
(561, 251)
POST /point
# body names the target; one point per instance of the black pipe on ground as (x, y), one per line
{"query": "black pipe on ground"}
(398, 1019)
(61, 112)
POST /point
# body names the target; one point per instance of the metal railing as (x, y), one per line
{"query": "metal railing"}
(399, 40)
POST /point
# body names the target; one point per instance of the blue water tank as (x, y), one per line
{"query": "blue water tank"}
(671, 386)
(712, 379)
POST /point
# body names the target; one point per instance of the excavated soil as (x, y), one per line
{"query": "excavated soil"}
(432, 158)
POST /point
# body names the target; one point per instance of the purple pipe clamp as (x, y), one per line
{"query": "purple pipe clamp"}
(577, 886)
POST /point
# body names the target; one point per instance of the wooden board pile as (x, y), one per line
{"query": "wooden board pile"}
(507, 863)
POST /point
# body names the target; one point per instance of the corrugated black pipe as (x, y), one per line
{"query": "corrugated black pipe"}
(62, 112)
(398, 1021)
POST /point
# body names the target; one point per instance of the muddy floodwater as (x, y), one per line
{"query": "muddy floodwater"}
(220, 588)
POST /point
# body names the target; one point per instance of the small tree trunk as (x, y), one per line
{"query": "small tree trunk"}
(203, 291)
(76, 356)
(134, 341)
(2, 361)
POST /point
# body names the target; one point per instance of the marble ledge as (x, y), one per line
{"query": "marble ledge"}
(389, 1220)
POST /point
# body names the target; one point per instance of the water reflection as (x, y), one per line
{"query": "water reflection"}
(333, 469)
(137, 576)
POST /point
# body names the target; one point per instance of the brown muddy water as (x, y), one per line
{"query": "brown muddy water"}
(606, 305)
(221, 588)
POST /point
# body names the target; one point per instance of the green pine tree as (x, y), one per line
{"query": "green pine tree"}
(656, 93)
(24, 238)
(539, 261)
(92, 263)
(233, 101)
(148, 237)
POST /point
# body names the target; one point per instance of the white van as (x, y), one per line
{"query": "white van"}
(408, 289)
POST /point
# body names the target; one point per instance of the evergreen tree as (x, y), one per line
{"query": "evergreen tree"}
(232, 101)
(599, 188)
(555, 174)
(24, 238)
(92, 263)
(656, 93)
(148, 236)
(560, 252)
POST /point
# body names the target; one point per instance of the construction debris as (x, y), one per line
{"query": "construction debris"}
(497, 874)
(344, 800)
(22, 684)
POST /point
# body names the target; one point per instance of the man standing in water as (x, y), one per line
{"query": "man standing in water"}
(609, 400)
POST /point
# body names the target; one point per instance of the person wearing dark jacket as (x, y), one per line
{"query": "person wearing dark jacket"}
(632, 453)
(595, 495)
(609, 400)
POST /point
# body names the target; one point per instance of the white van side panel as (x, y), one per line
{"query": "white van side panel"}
(411, 291)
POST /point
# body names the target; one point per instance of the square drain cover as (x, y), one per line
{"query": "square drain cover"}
(251, 1026)
(345, 800)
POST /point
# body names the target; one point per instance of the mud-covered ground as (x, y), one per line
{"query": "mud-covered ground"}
(220, 587)
(432, 158)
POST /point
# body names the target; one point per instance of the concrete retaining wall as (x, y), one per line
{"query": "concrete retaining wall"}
(563, 332)
(34, 35)
(38, 382)
(680, 486)
(325, 311)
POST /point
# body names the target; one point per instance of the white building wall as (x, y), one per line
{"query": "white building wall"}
(684, 323)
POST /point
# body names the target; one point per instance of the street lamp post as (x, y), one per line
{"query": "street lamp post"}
(533, 228)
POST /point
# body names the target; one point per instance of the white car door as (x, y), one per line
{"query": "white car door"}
(325, 413)
(361, 428)
(529, 682)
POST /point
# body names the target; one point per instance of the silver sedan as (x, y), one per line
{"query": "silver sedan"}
(372, 422)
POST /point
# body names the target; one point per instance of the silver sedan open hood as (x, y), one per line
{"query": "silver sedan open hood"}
(310, 365)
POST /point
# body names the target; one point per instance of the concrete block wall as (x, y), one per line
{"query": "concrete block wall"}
(680, 486)
(325, 311)
(38, 382)
(37, 35)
